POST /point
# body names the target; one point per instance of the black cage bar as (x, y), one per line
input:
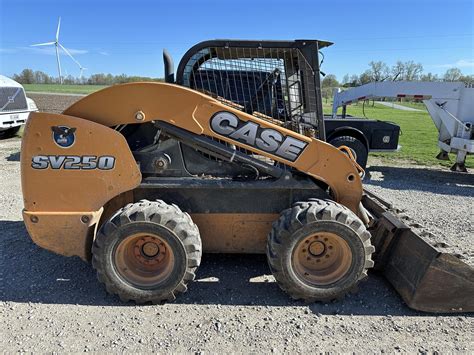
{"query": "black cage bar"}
(273, 80)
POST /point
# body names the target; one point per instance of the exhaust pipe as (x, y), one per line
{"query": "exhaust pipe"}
(169, 67)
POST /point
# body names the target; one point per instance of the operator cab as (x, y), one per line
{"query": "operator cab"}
(274, 80)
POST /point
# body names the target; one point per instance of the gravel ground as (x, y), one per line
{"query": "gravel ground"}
(53, 303)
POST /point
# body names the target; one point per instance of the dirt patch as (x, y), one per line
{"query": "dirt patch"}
(52, 102)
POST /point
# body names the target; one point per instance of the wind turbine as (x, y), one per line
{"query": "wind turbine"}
(81, 68)
(59, 46)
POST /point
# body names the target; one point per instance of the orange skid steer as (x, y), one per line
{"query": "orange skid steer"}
(230, 157)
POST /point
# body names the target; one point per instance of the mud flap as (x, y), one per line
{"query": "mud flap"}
(427, 279)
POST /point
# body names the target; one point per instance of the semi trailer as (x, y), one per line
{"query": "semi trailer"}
(450, 105)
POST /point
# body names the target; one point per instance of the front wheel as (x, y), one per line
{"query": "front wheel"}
(319, 250)
(147, 252)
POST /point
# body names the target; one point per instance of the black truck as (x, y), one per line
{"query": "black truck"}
(362, 135)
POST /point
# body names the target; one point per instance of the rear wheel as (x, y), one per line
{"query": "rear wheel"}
(319, 250)
(147, 252)
(358, 149)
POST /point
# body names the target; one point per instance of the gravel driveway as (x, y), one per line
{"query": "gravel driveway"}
(55, 304)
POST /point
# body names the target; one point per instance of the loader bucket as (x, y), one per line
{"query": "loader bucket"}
(427, 279)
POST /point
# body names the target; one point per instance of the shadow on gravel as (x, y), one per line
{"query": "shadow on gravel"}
(429, 180)
(14, 157)
(31, 274)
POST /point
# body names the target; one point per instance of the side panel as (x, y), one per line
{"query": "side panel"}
(74, 237)
(234, 232)
(73, 186)
(66, 180)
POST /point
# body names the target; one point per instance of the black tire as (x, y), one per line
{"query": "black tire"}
(10, 132)
(173, 234)
(358, 148)
(303, 221)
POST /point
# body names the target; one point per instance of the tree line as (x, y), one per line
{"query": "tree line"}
(377, 71)
(401, 71)
(28, 76)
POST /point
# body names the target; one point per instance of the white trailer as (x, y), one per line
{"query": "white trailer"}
(14, 107)
(450, 105)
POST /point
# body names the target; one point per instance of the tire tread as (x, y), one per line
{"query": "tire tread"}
(157, 212)
(300, 214)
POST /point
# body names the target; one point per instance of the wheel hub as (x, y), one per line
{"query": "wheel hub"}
(144, 259)
(321, 258)
(317, 248)
(150, 249)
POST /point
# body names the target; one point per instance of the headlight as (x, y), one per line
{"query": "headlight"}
(32, 106)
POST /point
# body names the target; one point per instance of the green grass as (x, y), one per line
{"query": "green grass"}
(419, 135)
(64, 89)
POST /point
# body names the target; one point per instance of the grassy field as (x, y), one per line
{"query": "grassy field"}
(418, 138)
(63, 89)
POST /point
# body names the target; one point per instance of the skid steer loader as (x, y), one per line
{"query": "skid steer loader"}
(142, 178)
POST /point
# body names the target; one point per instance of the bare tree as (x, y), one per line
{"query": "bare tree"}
(398, 71)
(365, 77)
(42, 78)
(379, 71)
(354, 80)
(408, 71)
(412, 70)
(453, 74)
(346, 79)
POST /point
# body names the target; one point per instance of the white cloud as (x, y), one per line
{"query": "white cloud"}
(103, 53)
(461, 63)
(465, 63)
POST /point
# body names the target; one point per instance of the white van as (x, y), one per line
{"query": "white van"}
(14, 107)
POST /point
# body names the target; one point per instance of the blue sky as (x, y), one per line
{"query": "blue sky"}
(128, 36)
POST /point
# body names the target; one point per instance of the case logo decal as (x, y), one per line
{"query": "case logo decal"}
(64, 136)
(267, 139)
(72, 162)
